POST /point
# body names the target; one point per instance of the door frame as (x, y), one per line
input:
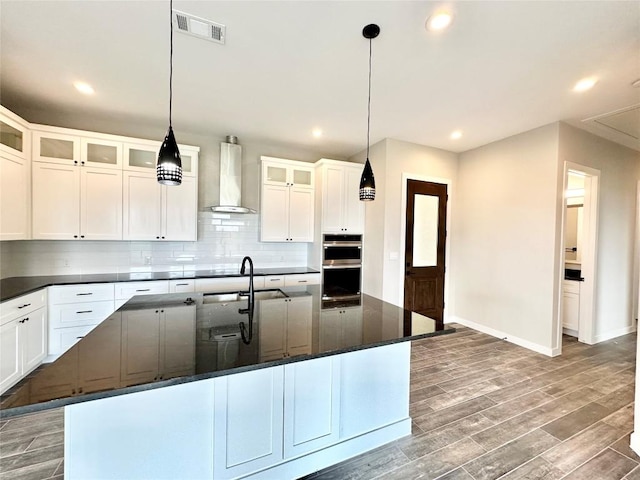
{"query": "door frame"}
(403, 227)
(586, 327)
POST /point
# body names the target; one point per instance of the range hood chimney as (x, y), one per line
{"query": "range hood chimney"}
(231, 178)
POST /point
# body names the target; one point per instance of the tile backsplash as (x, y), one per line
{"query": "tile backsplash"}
(223, 240)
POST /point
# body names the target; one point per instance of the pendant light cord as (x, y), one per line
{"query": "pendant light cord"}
(170, 58)
(369, 100)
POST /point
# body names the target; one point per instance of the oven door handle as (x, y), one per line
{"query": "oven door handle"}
(329, 267)
(342, 245)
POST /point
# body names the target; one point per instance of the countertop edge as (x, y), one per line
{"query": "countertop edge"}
(63, 402)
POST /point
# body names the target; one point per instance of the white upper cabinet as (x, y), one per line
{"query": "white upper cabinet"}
(342, 210)
(15, 165)
(101, 153)
(71, 202)
(287, 201)
(158, 212)
(142, 156)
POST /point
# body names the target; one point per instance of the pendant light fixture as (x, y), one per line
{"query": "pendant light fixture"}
(367, 182)
(169, 169)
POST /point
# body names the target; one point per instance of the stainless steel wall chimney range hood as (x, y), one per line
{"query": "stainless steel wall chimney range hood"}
(231, 178)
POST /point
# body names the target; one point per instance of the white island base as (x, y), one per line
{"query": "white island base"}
(280, 422)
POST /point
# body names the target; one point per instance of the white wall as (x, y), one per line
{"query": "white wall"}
(392, 160)
(616, 282)
(505, 238)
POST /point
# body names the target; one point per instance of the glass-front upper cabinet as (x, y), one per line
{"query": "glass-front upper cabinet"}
(278, 171)
(101, 153)
(143, 157)
(14, 137)
(56, 148)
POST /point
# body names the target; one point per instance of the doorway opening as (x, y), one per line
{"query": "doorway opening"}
(579, 247)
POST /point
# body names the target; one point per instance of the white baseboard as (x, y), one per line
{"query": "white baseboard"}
(614, 333)
(550, 352)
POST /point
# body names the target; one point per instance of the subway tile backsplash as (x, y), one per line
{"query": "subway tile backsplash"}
(223, 239)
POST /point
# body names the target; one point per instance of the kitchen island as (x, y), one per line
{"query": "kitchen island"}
(210, 386)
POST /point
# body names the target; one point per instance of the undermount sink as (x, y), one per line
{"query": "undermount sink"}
(236, 297)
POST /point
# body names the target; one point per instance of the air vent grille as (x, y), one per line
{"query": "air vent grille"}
(199, 27)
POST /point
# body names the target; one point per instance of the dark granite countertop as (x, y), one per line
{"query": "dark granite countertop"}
(15, 286)
(156, 341)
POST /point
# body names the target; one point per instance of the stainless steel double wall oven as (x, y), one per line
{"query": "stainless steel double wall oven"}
(341, 267)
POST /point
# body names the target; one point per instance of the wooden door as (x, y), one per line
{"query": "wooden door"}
(425, 248)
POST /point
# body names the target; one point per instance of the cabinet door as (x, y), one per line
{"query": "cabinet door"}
(14, 198)
(353, 208)
(274, 214)
(141, 157)
(571, 311)
(140, 346)
(332, 199)
(351, 326)
(299, 312)
(180, 286)
(101, 153)
(272, 321)
(330, 330)
(79, 314)
(62, 339)
(100, 204)
(142, 207)
(302, 177)
(301, 214)
(10, 364)
(181, 211)
(178, 341)
(311, 405)
(34, 339)
(248, 419)
(56, 201)
(99, 357)
(56, 148)
(275, 174)
(14, 136)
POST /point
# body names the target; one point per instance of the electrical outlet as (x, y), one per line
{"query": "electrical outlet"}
(147, 260)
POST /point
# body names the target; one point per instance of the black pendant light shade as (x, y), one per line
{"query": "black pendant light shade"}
(169, 168)
(367, 181)
(367, 184)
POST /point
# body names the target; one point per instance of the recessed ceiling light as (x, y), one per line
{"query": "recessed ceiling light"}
(456, 135)
(83, 87)
(317, 133)
(438, 21)
(585, 84)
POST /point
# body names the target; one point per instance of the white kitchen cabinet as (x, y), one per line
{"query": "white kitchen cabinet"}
(248, 421)
(23, 337)
(71, 202)
(342, 210)
(142, 156)
(287, 201)
(311, 405)
(157, 343)
(70, 147)
(182, 286)
(571, 306)
(15, 177)
(126, 290)
(302, 279)
(158, 212)
(75, 310)
(285, 327)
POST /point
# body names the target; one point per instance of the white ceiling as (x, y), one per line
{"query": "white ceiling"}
(288, 67)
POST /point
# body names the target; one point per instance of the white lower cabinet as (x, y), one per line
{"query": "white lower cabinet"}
(571, 306)
(340, 328)
(311, 405)
(75, 310)
(227, 284)
(285, 327)
(248, 422)
(23, 337)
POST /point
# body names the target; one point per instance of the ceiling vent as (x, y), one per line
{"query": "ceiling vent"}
(199, 27)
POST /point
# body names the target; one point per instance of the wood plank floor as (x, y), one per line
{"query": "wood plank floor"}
(482, 409)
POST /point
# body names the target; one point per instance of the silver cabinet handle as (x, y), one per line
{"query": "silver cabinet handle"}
(85, 311)
(143, 290)
(81, 294)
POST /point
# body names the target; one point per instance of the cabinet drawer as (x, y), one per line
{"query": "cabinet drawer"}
(274, 281)
(62, 339)
(126, 290)
(90, 292)
(19, 306)
(73, 314)
(570, 287)
(179, 286)
(302, 279)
